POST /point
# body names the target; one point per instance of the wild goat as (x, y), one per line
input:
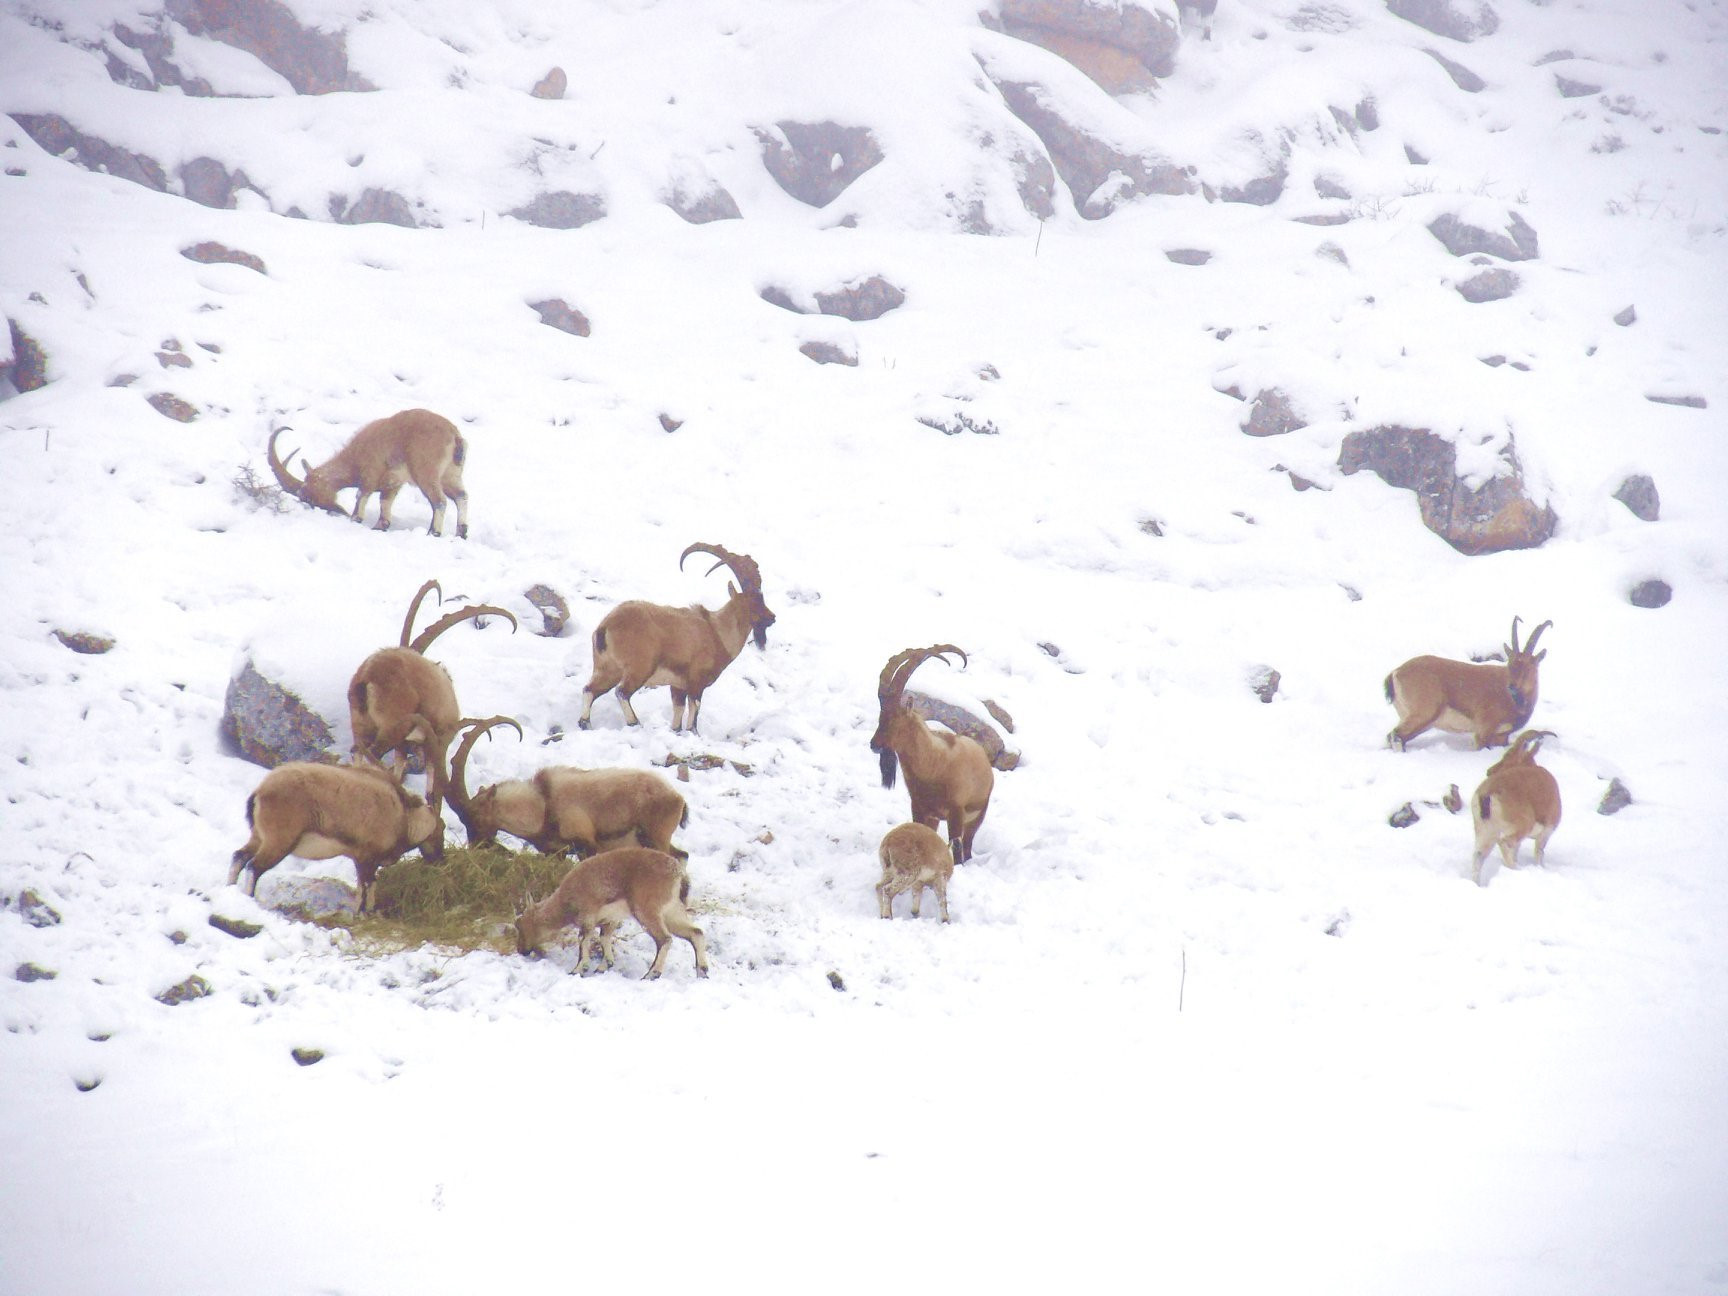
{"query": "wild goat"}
(948, 775)
(914, 857)
(399, 698)
(414, 446)
(1485, 699)
(640, 645)
(566, 809)
(649, 885)
(321, 811)
(1517, 799)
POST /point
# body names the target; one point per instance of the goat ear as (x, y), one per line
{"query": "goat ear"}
(305, 466)
(1542, 654)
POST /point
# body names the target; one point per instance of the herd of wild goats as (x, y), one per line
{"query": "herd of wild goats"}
(618, 823)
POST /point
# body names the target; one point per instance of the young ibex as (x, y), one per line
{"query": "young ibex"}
(649, 885)
(913, 857)
(639, 645)
(1517, 799)
(564, 809)
(948, 775)
(321, 811)
(399, 698)
(1484, 699)
(415, 445)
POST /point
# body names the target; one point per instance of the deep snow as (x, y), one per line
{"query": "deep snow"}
(1203, 1019)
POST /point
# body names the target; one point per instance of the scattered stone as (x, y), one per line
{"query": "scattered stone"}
(1262, 191)
(1638, 493)
(212, 253)
(1188, 256)
(28, 368)
(1453, 800)
(174, 359)
(699, 208)
(1340, 924)
(36, 911)
(835, 981)
(1489, 285)
(999, 715)
(554, 611)
(957, 422)
(552, 85)
(270, 724)
(1272, 415)
(1627, 317)
(210, 184)
(670, 424)
(1264, 681)
(239, 928)
(82, 641)
(861, 299)
(1515, 241)
(1462, 77)
(193, 987)
(829, 353)
(310, 60)
(1404, 816)
(1652, 593)
(85, 1084)
(560, 210)
(816, 161)
(374, 207)
(1461, 20)
(58, 136)
(1688, 402)
(168, 405)
(1615, 799)
(33, 972)
(561, 315)
(1151, 527)
(1098, 38)
(1570, 89)
(307, 1056)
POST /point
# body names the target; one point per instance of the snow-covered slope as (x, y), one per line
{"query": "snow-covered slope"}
(1203, 1018)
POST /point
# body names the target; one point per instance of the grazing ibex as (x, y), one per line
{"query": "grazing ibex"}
(414, 446)
(649, 885)
(639, 645)
(564, 809)
(399, 698)
(914, 857)
(1485, 699)
(1517, 799)
(321, 811)
(948, 775)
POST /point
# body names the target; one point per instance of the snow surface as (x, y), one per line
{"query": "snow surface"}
(1203, 1020)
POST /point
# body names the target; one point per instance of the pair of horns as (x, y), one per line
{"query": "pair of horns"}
(900, 667)
(743, 566)
(1530, 644)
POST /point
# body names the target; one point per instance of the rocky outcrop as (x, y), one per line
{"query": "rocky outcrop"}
(1638, 493)
(830, 353)
(1513, 241)
(1272, 415)
(1123, 45)
(1495, 284)
(26, 368)
(310, 60)
(1461, 20)
(54, 134)
(965, 723)
(1494, 516)
(270, 724)
(816, 161)
(856, 299)
(210, 252)
(701, 204)
(560, 210)
(560, 314)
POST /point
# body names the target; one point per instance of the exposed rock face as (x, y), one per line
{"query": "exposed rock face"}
(1125, 41)
(210, 184)
(829, 353)
(701, 206)
(1615, 799)
(1462, 77)
(374, 207)
(28, 368)
(54, 134)
(1462, 20)
(560, 314)
(84, 642)
(212, 253)
(1272, 415)
(856, 299)
(270, 725)
(1099, 176)
(1638, 493)
(554, 611)
(312, 61)
(1483, 519)
(1515, 241)
(560, 209)
(964, 722)
(168, 405)
(816, 161)
(1496, 284)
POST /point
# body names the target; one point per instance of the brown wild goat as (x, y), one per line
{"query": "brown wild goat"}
(414, 446)
(321, 811)
(914, 857)
(1487, 700)
(564, 809)
(948, 775)
(640, 645)
(1517, 799)
(649, 885)
(399, 698)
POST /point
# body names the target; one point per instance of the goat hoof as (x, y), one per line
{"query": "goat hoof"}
(581, 724)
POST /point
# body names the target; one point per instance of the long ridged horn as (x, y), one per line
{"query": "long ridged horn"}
(1530, 643)
(743, 565)
(284, 477)
(459, 796)
(438, 627)
(414, 609)
(1512, 647)
(900, 667)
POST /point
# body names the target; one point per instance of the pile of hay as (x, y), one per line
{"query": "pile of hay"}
(467, 900)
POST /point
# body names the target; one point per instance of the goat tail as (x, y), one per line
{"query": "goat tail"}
(1388, 687)
(599, 640)
(1483, 808)
(251, 813)
(684, 816)
(459, 455)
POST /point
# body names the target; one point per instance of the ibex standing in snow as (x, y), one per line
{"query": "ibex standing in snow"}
(948, 775)
(914, 857)
(321, 811)
(640, 645)
(399, 698)
(414, 446)
(564, 809)
(1484, 699)
(1517, 799)
(648, 885)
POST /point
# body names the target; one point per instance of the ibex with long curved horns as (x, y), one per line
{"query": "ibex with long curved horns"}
(560, 808)
(399, 698)
(640, 645)
(1487, 700)
(1517, 799)
(948, 775)
(415, 445)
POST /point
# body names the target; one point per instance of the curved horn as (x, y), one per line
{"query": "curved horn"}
(438, 627)
(459, 763)
(743, 565)
(1530, 643)
(900, 667)
(1513, 645)
(284, 477)
(414, 608)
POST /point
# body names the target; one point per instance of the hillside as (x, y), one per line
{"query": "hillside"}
(1134, 363)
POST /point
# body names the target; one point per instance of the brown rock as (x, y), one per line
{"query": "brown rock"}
(560, 314)
(1149, 37)
(27, 370)
(816, 161)
(552, 85)
(168, 405)
(1462, 20)
(964, 722)
(211, 253)
(312, 61)
(560, 209)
